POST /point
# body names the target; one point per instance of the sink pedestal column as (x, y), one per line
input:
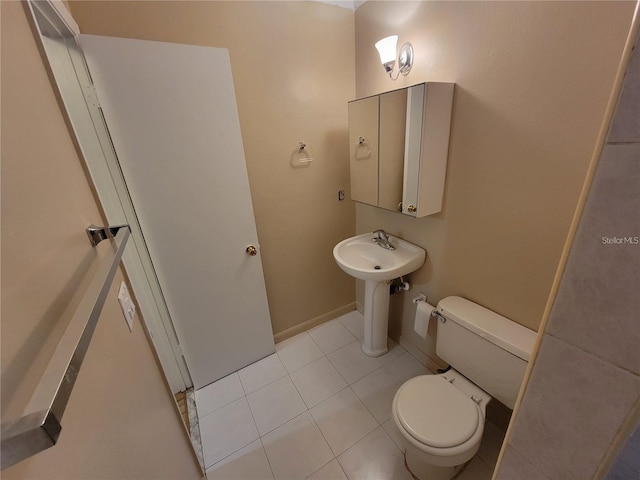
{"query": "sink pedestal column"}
(376, 318)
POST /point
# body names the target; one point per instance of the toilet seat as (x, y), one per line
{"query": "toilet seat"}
(435, 413)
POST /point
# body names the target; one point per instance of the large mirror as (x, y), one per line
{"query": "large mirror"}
(377, 137)
(398, 144)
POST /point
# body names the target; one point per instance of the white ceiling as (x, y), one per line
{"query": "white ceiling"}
(350, 4)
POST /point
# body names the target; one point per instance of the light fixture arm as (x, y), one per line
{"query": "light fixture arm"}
(390, 72)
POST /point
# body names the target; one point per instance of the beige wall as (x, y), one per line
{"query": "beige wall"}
(532, 82)
(121, 421)
(293, 70)
(572, 420)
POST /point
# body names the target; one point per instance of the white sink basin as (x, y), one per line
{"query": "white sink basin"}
(361, 258)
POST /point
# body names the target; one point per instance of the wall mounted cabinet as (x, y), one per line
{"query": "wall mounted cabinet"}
(399, 143)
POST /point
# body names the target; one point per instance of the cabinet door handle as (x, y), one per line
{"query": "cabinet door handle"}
(251, 250)
(412, 209)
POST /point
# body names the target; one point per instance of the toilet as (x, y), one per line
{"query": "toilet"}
(441, 417)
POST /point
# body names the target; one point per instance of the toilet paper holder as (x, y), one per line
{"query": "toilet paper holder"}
(422, 297)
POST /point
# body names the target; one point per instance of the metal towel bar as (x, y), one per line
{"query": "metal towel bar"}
(39, 427)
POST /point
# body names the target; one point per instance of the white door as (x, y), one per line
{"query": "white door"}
(172, 116)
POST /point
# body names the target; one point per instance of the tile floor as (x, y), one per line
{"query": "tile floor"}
(318, 408)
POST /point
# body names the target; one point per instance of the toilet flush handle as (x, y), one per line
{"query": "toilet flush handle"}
(440, 317)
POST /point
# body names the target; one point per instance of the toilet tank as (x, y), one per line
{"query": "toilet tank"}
(489, 349)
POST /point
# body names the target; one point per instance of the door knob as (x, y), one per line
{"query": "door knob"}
(412, 209)
(251, 250)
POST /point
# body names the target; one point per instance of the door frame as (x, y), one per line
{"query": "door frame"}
(58, 33)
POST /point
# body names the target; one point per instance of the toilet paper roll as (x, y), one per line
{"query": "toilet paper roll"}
(423, 314)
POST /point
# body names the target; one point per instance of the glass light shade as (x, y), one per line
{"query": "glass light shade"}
(387, 49)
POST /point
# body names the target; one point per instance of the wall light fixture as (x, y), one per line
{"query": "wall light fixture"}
(387, 50)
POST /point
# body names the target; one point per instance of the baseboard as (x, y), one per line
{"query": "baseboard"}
(314, 322)
(418, 354)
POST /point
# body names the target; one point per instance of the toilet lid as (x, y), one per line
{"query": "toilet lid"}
(435, 412)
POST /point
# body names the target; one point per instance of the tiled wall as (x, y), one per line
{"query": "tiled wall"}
(585, 384)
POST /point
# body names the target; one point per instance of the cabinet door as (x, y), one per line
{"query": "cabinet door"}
(436, 128)
(363, 148)
(413, 149)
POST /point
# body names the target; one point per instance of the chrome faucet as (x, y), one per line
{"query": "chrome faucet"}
(382, 239)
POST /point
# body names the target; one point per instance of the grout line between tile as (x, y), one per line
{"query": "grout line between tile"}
(242, 384)
(297, 390)
(323, 437)
(341, 376)
(364, 404)
(268, 461)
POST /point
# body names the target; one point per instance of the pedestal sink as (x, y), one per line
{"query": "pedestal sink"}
(363, 258)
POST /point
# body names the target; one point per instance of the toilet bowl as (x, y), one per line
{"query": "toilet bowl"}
(441, 418)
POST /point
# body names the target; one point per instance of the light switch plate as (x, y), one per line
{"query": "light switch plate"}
(128, 308)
